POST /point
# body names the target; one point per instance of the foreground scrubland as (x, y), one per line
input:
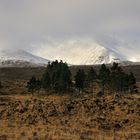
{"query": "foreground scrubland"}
(69, 117)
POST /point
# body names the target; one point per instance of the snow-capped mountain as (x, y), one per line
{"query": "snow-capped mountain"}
(73, 53)
(81, 52)
(20, 58)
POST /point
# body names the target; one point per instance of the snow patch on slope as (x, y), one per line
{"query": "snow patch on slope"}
(20, 58)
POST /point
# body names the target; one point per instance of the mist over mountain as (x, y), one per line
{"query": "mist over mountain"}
(83, 52)
(74, 52)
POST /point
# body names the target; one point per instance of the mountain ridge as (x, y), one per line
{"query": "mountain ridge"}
(20, 58)
(94, 55)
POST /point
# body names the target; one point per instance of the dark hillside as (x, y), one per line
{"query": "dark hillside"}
(20, 73)
(27, 73)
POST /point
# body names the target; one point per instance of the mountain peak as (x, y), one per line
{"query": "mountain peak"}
(100, 55)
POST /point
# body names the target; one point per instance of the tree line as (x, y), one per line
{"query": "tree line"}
(58, 77)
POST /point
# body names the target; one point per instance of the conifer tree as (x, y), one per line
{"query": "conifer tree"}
(80, 79)
(46, 78)
(31, 85)
(104, 76)
(117, 78)
(92, 76)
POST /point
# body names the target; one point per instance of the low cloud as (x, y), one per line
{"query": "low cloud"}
(113, 24)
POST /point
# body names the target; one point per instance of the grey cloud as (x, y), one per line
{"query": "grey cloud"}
(113, 23)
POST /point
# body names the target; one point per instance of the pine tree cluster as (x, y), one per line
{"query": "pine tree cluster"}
(116, 79)
(57, 77)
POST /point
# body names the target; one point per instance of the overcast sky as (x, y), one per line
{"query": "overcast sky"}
(38, 25)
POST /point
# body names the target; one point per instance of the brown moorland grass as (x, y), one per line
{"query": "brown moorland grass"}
(69, 117)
